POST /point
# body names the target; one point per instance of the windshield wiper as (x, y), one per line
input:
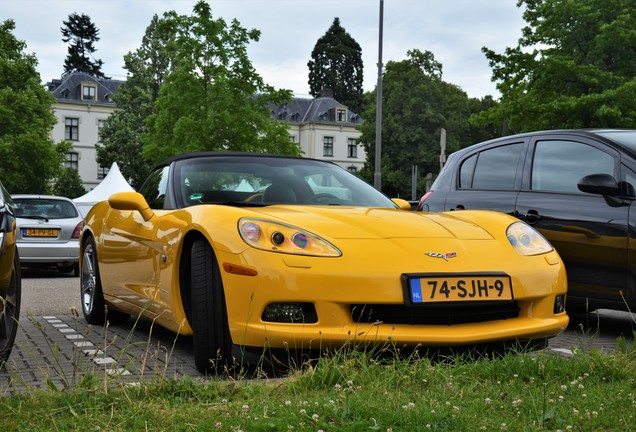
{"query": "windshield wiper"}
(34, 217)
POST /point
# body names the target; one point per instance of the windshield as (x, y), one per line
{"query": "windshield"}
(261, 180)
(625, 137)
(44, 208)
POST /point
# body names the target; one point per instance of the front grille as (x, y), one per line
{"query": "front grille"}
(435, 314)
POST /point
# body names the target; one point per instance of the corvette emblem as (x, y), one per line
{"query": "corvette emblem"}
(444, 256)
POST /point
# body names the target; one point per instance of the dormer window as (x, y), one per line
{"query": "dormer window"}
(66, 94)
(89, 92)
(341, 115)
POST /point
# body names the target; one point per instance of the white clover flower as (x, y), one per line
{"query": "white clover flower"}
(288, 403)
(488, 401)
(315, 417)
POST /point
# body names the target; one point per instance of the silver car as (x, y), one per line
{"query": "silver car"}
(48, 231)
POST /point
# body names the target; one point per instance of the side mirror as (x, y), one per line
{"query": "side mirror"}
(401, 203)
(599, 184)
(131, 201)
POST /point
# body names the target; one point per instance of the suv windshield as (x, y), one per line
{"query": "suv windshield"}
(45, 208)
(626, 138)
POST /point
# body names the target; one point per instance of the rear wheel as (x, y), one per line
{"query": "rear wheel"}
(92, 297)
(211, 336)
(10, 311)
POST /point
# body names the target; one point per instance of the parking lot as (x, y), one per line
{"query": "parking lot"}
(55, 347)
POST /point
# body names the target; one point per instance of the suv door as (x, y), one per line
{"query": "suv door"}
(588, 231)
(488, 178)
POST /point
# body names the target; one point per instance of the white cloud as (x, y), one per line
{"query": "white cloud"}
(454, 30)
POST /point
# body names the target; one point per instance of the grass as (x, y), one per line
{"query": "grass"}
(356, 391)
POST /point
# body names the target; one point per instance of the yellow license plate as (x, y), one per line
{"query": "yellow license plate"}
(40, 232)
(458, 288)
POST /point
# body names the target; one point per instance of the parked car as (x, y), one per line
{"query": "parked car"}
(48, 232)
(248, 252)
(575, 186)
(10, 280)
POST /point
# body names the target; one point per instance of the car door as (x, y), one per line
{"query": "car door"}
(130, 253)
(588, 231)
(488, 178)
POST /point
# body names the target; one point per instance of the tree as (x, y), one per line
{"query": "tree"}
(69, 184)
(135, 99)
(213, 99)
(28, 158)
(80, 32)
(417, 104)
(574, 67)
(336, 64)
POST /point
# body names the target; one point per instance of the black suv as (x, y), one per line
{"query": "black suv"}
(576, 186)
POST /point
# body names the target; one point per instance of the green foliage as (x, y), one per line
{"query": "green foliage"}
(212, 99)
(81, 34)
(336, 64)
(354, 391)
(135, 99)
(69, 184)
(574, 67)
(416, 105)
(28, 158)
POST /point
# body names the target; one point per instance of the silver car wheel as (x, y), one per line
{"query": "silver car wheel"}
(88, 279)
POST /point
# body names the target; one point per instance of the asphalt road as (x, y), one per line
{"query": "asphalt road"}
(56, 347)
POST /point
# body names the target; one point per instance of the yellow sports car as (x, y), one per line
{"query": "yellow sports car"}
(247, 252)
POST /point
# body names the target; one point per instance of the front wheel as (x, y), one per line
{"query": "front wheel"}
(92, 297)
(211, 337)
(10, 311)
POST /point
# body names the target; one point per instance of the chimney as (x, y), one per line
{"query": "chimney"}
(326, 93)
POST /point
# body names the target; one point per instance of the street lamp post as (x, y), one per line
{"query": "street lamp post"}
(377, 175)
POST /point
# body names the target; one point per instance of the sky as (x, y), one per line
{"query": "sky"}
(453, 30)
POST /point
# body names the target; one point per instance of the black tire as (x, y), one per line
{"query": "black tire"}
(211, 337)
(92, 296)
(10, 311)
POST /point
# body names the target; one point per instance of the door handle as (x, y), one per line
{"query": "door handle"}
(532, 217)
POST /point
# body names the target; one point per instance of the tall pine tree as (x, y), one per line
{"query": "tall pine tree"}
(80, 33)
(336, 64)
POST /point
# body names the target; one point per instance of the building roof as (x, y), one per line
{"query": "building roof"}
(322, 109)
(69, 88)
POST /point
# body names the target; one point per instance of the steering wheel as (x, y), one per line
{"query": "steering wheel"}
(323, 198)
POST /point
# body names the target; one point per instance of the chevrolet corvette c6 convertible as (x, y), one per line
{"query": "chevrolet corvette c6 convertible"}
(247, 252)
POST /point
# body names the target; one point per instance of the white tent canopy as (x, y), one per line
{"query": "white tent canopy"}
(113, 182)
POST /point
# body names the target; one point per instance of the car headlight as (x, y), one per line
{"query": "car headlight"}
(277, 237)
(526, 240)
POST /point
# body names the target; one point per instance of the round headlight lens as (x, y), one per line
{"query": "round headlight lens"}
(526, 240)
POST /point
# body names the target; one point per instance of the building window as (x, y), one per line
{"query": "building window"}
(352, 148)
(327, 146)
(341, 115)
(352, 169)
(71, 131)
(100, 125)
(88, 92)
(102, 172)
(72, 160)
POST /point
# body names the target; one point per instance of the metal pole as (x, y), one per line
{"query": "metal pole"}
(377, 175)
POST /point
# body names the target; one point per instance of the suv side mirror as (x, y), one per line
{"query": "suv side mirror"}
(602, 184)
(599, 184)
